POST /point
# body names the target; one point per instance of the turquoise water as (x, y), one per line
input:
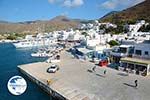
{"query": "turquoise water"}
(10, 57)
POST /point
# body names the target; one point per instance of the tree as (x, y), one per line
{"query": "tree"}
(131, 21)
(113, 43)
(119, 29)
(145, 28)
(109, 30)
(102, 27)
(84, 33)
(11, 37)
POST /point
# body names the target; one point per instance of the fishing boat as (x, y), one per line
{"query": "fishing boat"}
(35, 42)
(42, 54)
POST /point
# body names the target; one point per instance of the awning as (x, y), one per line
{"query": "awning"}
(84, 50)
(135, 60)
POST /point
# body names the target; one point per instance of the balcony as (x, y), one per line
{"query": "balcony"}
(118, 54)
(141, 57)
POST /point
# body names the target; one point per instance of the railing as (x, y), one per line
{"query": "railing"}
(141, 57)
(118, 54)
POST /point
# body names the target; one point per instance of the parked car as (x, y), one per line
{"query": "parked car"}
(103, 63)
(53, 68)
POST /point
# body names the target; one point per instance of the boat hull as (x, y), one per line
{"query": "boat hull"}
(32, 44)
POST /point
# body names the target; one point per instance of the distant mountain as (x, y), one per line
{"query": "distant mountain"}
(1, 21)
(110, 14)
(57, 23)
(61, 18)
(28, 22)
(137, 12)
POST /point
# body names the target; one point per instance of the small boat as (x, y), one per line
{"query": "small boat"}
(54, 59)
(30, 42)
(42, 54)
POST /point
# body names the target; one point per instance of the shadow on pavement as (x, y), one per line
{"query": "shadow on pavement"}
(89, 71)
(100, 75)
(122, 74)
(129, 85)
(97, 65)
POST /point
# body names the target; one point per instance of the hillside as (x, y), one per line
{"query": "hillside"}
(137, 12)
(110, 14)
(57, 23)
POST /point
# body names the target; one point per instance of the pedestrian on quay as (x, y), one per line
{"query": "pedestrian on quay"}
(127, 72)
(93, 69)
(48, 82)
(105, 72)
(136, 83)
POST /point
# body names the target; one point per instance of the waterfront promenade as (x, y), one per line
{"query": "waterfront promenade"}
(76, 81)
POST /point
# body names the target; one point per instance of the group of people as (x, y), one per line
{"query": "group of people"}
(94, 69)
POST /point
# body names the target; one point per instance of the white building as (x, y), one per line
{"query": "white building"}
(133, 29)
(76, 36)
(28, 37)
(88, 53)
(65, 34)
(108, 25)
(82, 26)
(139, 63)
(121, 51)
(142, 50)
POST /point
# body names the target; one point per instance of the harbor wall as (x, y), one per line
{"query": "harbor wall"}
(43, 86)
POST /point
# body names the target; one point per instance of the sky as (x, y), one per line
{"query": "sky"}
(27, 10)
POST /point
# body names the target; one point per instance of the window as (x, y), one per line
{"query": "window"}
(146, 53)
(123, 50)
(131, 50)
(138, 52)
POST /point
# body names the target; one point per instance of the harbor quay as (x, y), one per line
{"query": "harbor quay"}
(75, 80)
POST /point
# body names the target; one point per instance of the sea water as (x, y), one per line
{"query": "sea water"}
(10, 58)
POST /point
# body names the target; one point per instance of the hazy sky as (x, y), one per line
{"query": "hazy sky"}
(25, 10)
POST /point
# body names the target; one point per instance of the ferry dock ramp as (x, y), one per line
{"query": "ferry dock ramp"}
(76, 81)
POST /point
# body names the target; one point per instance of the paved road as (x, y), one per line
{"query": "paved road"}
(76, 80)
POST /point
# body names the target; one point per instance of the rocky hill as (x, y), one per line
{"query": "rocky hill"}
(137, 12)
(57, 23)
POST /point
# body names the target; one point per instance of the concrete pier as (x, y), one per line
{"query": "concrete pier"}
(76, 81)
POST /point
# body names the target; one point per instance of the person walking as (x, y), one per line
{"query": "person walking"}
(127, 72)
(105, 72)
(93, 58)
(136, 83)
(93, 69)
(48, 82)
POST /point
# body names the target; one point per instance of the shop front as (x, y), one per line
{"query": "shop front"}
(136, 65)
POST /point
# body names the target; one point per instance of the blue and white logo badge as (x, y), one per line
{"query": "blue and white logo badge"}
(17, 85)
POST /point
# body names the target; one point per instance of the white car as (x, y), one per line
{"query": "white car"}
(53, 68)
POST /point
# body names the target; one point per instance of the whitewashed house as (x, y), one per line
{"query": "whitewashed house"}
(28, 37)
(121, 51)
(139, 63)
(88, 53)
(90, 25)
(65, 34)
(93, 47)
(82, 26)
(133, 29)
(76, 36)
(142, 50)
